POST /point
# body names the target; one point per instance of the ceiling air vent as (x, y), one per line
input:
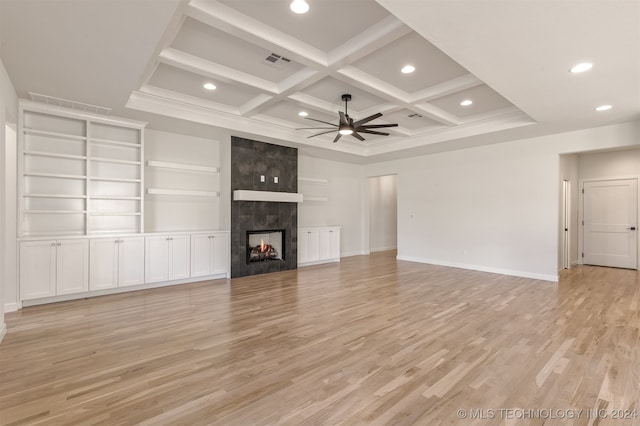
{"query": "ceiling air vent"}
(66, 103)
(414, 115)
(277, 61)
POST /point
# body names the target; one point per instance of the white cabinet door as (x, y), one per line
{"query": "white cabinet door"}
(313, 246)
(333, 250)
(131, 261)
(324, 244)
(201, 255)
(103, 263)
(179, 258)
(37, 269)
(156, 259)
(220, 251)
(72, 265)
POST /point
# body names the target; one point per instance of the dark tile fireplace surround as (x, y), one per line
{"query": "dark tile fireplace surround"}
(249, 161)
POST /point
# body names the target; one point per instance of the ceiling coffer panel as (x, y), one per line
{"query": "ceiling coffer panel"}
(191, 84)
(483, 97)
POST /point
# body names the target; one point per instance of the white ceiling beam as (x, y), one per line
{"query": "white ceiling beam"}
(455, 85)
(207, 68)
(231, 21)
(373, 38)
(250, 106)
(436, 114)
(161, 93)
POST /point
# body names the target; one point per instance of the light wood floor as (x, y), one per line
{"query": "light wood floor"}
(368, 341)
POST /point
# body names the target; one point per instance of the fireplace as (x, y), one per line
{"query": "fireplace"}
(265, 245)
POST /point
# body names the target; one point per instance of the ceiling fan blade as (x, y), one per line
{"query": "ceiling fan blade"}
(343, 119)
(371, 132)
(321, 133)
(378, 126)
(366, 120)
(320, 121)
(315, 128)
(338, 136)
(357, 136)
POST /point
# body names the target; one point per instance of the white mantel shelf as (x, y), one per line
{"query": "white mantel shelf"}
(277, 197)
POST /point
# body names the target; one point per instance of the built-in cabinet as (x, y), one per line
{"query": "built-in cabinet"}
(53, 268)
(209, 254)
(167, 257)
(81, 180)
(116, 262)
(318, 245)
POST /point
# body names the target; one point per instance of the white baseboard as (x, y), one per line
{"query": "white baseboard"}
(318, 262)
(10, 307)
(3, 331)
(501, 271)
(373, 250)
(354, 253)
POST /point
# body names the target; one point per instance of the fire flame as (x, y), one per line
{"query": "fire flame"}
(262, 246)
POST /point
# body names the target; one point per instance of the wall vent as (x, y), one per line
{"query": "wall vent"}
(66, 103)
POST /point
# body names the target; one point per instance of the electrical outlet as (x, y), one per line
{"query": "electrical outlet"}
(262, 179)
(275, 179)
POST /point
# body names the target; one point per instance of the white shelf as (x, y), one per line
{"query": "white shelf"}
(55, 196)
(55, 155)
(185, 192)
(105, 179)
(53, 234)
(113, 142)
(182, 166)
(28, 131)
(316, 198)
(55, 175)
(313, 179)
(114, 231)
(113, 160)
(114, 197)
(54, 211)
(105, 213)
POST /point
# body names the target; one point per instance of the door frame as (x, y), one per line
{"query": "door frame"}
(566, 224)
(581, 211)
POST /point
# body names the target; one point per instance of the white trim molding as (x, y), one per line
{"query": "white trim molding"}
(278, 197)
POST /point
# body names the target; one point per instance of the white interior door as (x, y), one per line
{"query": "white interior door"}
(610, 223)
(566, 221)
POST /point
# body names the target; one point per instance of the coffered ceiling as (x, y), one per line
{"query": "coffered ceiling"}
(510, 57)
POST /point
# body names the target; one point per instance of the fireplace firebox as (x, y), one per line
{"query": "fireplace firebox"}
(265, 245)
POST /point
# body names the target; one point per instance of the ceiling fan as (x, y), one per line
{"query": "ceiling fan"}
(346, 125)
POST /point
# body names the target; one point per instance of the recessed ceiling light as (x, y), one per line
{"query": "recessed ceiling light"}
(604, 108)
(466, 102)
(299, 6)
(408, 69)
(303, 113)
(209, 86)
(582, 67)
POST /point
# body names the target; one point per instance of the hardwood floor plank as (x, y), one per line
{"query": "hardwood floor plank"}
(370, 340)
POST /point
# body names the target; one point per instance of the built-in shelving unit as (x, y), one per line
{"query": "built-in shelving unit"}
(80, 173)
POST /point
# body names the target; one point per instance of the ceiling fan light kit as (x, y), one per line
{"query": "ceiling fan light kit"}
(346, 126)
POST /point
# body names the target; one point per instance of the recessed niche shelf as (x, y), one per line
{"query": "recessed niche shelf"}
(312, 179)
(184, 192)
(115, 161)
(55, 175)
(182, 166)
(114, 197)
(112, 142)
(306, 198)
(54, 211)
(55, 196)
(106, 213)
(29, 131)
(55, 155)
(113, 179)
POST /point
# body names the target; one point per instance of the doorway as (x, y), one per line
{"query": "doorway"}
(610, 221)
(566, 224)
(383, 213)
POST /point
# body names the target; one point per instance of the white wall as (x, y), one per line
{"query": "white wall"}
(344, 206)
(382, 210)
(8, 115)
(181, 213)
(569, 171)
(610, 164)
(491, 208)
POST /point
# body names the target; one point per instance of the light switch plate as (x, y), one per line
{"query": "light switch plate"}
(275, 179)
(262, 178)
